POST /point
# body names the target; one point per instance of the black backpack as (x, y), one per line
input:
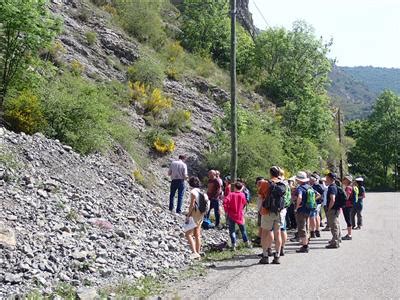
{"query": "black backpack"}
(202, 203)
(275, 200)
(340, 200)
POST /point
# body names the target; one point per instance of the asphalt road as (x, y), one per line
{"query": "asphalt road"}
(367, 267)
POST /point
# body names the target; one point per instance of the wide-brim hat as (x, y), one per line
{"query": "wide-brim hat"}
(349, 178)
(302, 177)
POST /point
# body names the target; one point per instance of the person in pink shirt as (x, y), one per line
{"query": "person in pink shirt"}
(233, 205)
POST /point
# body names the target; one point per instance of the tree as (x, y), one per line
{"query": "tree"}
(377, 150)
(26, 26)
(291, 62)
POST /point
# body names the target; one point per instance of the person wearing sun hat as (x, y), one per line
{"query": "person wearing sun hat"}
(358, 205)
(302, 212)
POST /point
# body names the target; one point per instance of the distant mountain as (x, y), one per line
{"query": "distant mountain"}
(356, 88)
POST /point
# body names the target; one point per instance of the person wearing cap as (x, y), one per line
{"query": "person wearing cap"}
(332, 214)
(315, 218)
(302, 212)
(348, 208)
(270, 222)
(358, 205)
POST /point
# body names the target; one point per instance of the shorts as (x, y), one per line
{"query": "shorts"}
(268, 221)
(283, 219)
(258, 219)
(301, 219)
(313, 213)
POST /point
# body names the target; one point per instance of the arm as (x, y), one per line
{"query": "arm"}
(169, 172)
(298, 202)
(332, 201)
(317, 196)
(186, 172)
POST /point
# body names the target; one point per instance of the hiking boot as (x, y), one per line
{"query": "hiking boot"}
(260, 255)
(347, 238)
(312, 234)
(282, 252)
(276, 261)
(248, 244)
(317, 233)
(302, 249)
(233, 248)
(264, 260)
(332, 246)
(326, 229)
(269, 252)
(294, 239)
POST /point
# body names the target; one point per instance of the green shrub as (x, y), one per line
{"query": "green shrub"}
(174, 56)
(148, 71)
(91, 37)
(78, 113)
(24, 113)
(179, 119)
(142, 20)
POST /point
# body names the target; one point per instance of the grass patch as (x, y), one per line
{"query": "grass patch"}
(227, 254)
(142, 288)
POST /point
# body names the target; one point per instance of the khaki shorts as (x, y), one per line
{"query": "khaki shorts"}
(301, 219)
(269, 220)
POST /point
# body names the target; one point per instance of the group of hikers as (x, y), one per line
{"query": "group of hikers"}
(299, 202)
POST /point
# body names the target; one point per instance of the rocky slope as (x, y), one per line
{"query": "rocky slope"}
(78, 220)
(84, 220)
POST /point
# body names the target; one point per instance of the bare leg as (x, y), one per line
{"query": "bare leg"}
(283, 237)
(197, 238)
(189, 237)
(278, 239)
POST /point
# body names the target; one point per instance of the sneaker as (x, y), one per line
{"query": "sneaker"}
(233, 248)
(248, 244)
(264, 260)
(347, 238)
(302, 249)
(317, 233)
(332, 246)
(269, 252)
(276, 261)
(195, 256)
(326, 229)
(312, 234)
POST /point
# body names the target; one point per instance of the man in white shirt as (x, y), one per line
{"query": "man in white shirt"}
(178, 173)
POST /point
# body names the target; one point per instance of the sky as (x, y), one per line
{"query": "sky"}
(364, 32)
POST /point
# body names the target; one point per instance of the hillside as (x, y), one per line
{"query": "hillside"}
(356, 88)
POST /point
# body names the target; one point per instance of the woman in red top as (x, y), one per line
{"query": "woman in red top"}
(233, 205)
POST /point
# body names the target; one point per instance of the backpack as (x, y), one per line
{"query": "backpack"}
(340, 200)
(311, 203)
(202, 202)
(288, 197)
(207, 224)
(246, 193)
(275, 200)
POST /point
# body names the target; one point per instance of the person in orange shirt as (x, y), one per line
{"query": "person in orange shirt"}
(270, 222)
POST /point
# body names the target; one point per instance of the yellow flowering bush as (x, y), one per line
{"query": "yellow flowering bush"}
(164, 144)
(77, 68)
(24, 113)
(156, 102)
(138, 91)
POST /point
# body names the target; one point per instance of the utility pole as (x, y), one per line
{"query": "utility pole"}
(341, 142)
(234, 146)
